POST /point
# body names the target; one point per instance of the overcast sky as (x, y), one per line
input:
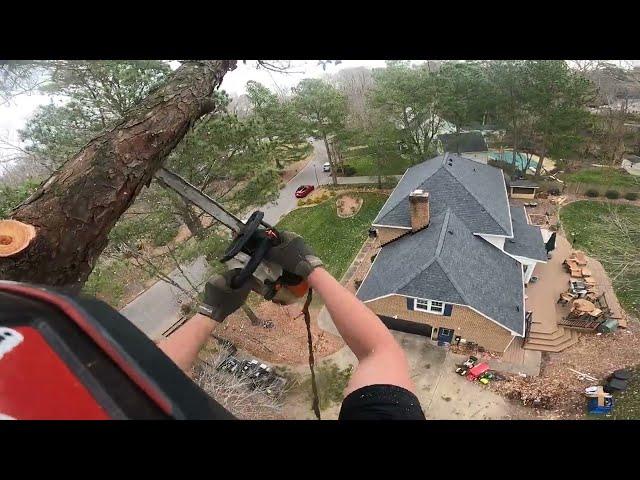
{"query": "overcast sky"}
(14, 115)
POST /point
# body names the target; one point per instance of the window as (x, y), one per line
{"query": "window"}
(430, 306)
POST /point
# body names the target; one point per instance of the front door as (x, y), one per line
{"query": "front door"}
(445, 335)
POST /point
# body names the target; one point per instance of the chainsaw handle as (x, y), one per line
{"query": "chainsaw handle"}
(265, 243)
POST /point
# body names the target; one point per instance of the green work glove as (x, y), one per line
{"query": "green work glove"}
(293, 255)
(220, 300)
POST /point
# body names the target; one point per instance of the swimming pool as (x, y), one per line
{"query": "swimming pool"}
(507, 157)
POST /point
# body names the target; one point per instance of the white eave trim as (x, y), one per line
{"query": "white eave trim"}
(390, 226)
(460, 305)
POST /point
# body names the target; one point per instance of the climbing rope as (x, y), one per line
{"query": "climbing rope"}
(314, 385)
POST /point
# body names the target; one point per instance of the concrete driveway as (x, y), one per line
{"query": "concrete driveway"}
(443, 394)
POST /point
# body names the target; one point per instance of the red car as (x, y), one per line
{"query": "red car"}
(304, 190)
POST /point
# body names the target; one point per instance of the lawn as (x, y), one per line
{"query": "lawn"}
(610, 233)
(365, 164)
(605, 177)
(335, 240)
(627, 403)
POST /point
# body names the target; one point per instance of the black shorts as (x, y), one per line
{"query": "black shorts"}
(381, 402)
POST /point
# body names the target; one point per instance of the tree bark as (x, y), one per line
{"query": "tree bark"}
(190, 219)
(331, 162)
(540, 160)
(75, 209)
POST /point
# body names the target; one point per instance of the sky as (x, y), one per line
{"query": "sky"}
(14, 115)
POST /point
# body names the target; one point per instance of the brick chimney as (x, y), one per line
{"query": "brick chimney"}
(419, 209)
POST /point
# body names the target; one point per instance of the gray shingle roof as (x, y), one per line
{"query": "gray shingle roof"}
(463, 142)
(527, 239)
(475, 192)
(446, 262)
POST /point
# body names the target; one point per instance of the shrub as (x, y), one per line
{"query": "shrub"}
(349, 171)
(302, 202)
(592, 193)
(631, 196)
(612, 194)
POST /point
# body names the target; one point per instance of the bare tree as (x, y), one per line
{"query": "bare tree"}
(237, 394)
(355, 84)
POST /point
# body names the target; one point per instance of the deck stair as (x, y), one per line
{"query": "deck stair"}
(554, 341)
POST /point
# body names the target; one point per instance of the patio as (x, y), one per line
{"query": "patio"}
(547, 332)
(541, 298)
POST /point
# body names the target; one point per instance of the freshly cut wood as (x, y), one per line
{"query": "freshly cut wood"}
(15, 236)
(76, 208)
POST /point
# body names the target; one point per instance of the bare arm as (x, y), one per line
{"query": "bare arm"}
(380, 359)
(184, 344)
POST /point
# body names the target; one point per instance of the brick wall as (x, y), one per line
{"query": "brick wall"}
(467, 323)
(385, 235)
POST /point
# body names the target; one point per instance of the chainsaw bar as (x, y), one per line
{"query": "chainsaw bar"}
(209, 205)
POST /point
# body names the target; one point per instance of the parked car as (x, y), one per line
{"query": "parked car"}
(326, 167)
(304, 190)
(248, 367)
(231, 365)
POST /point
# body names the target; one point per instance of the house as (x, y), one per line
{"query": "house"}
(631, 163)
(454, 256)
(523, 189)
(472, 144)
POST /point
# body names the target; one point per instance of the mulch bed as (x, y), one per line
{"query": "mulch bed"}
(285, 341)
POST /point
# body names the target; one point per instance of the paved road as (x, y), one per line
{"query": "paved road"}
(157, 308)
(312, 174)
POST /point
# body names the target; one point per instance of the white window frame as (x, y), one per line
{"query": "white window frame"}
(432, 306)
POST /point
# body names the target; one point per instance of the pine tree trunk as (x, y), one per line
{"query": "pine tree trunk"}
(191, 220)
(540, 160)
(74, 211)
(331, 162)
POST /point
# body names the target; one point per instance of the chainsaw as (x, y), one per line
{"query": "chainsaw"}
(247, 251)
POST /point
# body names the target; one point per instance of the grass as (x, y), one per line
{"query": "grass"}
(335, 240)
(610, 233)
(331, 384)
(605, 177)
(627, 404)
(365, 164)
(107, 281)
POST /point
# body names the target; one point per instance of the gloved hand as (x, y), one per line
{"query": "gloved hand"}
(220, 300)
(293, 255)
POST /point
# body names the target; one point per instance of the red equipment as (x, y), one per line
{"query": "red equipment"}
(476, 371)
(77, 358)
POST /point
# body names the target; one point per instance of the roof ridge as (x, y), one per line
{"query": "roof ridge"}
(420, 182)
(472, 194)
(437, 256)
(445, 225)
(443, 230)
